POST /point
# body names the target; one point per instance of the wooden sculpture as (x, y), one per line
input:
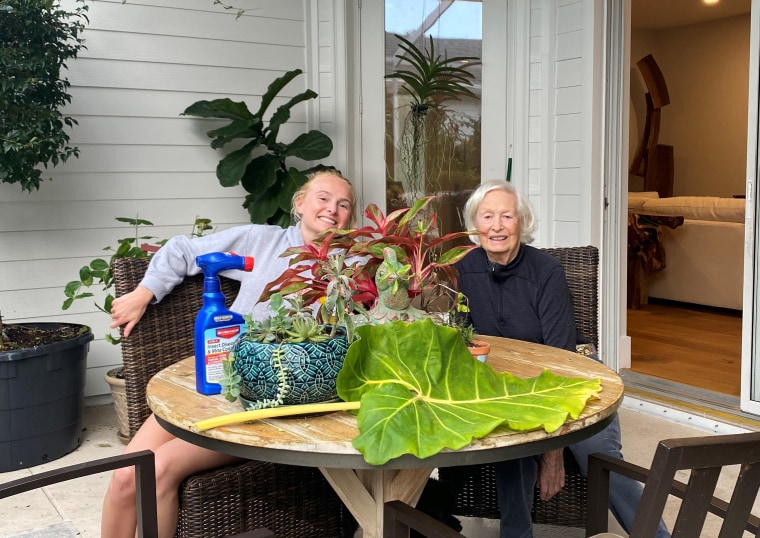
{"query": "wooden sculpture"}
(653, 161)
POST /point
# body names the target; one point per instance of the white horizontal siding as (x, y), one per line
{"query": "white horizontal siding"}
(145, 63)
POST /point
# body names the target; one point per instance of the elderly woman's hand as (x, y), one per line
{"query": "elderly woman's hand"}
(551, 474)
(129, 308)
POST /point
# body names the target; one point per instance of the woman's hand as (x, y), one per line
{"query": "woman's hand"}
(129, 308)
(551, 474)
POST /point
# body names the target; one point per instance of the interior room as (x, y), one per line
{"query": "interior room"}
(687, 156)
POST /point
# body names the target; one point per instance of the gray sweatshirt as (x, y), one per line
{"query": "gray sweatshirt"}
(176, 260)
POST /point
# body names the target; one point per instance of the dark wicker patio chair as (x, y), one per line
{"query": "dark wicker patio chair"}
(476, 484)
(291, 501)
(704, 457)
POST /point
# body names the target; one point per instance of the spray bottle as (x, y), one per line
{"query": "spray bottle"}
(216, 327)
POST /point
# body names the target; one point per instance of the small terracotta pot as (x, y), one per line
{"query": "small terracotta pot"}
(480, 349)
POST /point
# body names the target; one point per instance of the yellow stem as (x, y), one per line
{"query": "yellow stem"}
(272, 412)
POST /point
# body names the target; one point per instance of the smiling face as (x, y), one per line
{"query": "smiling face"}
(498, 224)
(326, 204)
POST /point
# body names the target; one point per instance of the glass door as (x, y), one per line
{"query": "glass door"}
(433, 84)
(432, 127)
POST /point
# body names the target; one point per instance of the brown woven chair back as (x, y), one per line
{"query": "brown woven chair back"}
(291, 501)
(581, 266)
(475, 485)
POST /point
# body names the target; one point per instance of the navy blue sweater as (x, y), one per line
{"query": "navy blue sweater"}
(528, 299)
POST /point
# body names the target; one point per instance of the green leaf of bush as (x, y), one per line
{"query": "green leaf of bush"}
(421, 391)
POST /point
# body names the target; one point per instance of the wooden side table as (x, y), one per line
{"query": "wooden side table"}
(646, 254)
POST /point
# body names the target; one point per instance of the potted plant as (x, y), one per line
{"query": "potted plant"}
(42, 378)
(457, 317)
(294, 355)
(100, 271)
(265, 175)
(412, 233)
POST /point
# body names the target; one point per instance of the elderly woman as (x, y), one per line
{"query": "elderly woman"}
(517, 291)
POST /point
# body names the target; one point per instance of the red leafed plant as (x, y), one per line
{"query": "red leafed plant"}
(412, 232)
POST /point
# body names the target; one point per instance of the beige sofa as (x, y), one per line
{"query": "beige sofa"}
(704, 257)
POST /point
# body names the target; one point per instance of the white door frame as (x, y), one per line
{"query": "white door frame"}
(615, 351)
(750, 391)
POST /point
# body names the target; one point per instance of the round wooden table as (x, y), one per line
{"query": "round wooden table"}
(325, 441)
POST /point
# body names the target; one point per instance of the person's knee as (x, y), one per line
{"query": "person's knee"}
(167, 480)
(122, 487)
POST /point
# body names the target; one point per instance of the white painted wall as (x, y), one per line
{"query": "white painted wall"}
(561, 126)
(145, 63)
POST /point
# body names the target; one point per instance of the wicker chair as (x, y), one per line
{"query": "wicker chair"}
(291, 501)
(476, 484)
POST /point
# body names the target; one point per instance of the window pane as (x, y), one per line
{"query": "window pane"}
(432, 132)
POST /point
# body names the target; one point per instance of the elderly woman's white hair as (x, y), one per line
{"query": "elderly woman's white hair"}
(524, 209)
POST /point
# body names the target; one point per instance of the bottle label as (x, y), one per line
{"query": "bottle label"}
(217, 343)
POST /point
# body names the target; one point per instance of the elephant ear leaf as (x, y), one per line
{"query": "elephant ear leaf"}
(421, 391)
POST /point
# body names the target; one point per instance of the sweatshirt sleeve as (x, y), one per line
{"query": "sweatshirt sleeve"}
(176, 259)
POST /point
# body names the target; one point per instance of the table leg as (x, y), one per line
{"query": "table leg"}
(365, 492)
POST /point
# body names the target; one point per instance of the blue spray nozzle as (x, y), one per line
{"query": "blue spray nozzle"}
(214, 262)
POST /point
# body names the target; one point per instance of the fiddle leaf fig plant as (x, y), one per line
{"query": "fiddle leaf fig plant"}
(266, 176)
(37, 38)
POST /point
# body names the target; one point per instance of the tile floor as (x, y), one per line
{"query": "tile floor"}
(73, 508)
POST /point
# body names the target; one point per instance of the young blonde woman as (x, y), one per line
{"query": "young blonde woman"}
(325, 201)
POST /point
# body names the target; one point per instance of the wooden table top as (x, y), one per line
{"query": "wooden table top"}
(325, 440)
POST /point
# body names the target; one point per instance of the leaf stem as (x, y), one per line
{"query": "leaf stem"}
(259, 414)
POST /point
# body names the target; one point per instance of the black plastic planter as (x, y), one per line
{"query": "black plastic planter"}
(42, 400)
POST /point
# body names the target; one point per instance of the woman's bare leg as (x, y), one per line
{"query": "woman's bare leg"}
(175, 460)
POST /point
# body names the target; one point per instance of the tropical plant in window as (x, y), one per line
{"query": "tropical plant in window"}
(429, 81)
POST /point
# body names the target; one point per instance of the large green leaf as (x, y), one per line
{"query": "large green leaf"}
(274, 88)
(309, 146)
(252, 128)
(291, 181)
(219, 108)
(231, 168)
(421, 391)
(261, 208)
(261, 174)
(282, 114)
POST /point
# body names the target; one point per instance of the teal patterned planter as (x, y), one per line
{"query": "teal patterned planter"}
(311, 369)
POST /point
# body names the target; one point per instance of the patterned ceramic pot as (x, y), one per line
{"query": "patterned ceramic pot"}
(311, 369)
